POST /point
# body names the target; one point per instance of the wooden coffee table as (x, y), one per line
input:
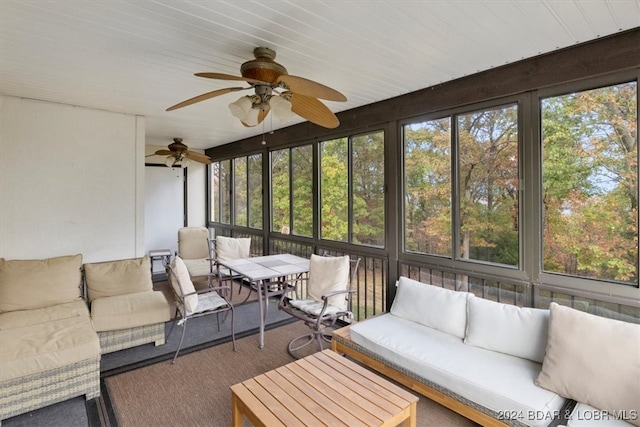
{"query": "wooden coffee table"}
(322, 389)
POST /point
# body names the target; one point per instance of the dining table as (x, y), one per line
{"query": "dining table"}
(265, 274)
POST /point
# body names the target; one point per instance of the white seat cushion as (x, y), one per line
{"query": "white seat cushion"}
(314, 307)
(210, 301)
(496, 381)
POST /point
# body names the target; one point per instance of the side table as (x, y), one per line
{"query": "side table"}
(163, 255)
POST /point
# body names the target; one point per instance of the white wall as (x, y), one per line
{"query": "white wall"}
(71, 181)
(196, 185)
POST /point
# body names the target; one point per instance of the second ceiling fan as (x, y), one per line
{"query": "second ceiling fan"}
(274, 90)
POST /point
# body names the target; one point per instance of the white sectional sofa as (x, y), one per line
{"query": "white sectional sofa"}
(480, 358)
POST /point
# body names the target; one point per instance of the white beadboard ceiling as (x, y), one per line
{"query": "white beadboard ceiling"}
(139, 56)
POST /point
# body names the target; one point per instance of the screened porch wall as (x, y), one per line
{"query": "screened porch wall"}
(603, 60)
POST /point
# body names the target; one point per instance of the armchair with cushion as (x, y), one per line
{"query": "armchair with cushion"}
(328, 298)
(194, 247)
(228, 248)
(125, 310)
(192, 303)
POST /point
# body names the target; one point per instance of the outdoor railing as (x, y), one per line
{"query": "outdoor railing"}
(372, 288)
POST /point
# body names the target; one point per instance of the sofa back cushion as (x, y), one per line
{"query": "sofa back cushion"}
(435, 307)
(508, 329)
(39, 283)
(593, 360)
(108, 279)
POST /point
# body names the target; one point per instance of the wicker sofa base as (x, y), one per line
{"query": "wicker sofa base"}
(111, 341)
(341, 343)
(26, 394)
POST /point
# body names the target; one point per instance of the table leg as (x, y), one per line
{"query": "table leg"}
(412, 420)
(236, 415)
(259, 286)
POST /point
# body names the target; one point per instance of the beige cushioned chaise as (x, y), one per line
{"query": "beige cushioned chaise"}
(49, 351)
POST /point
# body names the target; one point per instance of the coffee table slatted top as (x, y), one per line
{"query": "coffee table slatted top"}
(322, 389)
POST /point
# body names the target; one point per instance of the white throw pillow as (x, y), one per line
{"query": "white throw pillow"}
(593, 360)
(228, 248)
(181, 272)
(518, 331)
(328, 274)
(437, 308)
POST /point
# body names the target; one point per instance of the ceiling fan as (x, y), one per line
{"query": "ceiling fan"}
(274, 89)
(179, 155)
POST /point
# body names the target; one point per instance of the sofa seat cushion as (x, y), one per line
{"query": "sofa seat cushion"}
(129, 311)
(38, 348)
(499, 382)
(584, 415)
(22, 318)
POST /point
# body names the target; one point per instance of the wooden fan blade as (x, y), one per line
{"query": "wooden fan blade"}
(221, 76)
(198, 157)
(313, 110)
(206, 96)
(308, 87)
(163, 153)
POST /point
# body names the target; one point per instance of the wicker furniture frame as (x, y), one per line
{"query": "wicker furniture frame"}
(25, 394)
(111, 341)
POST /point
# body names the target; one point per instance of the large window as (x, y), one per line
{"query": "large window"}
(246, 198)
(590, 183)
(221, 192)
(352, 196)
(254, 187)
(291, 191)
(427, 181)
(487, 203)
(488, 185)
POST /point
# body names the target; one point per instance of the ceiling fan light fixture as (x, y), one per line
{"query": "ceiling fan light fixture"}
(281, 109)
(251, 119)
(241, 108)
(176, 162)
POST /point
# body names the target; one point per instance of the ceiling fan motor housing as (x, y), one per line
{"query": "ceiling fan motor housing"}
(263, 67)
